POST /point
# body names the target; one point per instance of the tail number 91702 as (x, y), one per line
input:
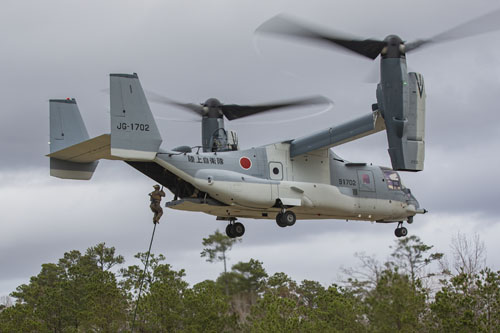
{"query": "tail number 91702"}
(133, 127)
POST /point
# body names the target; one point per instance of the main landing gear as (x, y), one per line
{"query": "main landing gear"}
(235, 229)
(400, 230)
(286, 218)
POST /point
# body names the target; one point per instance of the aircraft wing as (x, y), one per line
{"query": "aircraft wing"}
(335, 136)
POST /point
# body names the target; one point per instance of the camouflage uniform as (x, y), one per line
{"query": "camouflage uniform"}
(155, 198)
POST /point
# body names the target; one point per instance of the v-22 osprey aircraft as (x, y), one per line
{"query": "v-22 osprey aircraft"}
(300, 178)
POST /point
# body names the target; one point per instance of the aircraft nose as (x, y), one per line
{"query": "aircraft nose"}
(410, 198)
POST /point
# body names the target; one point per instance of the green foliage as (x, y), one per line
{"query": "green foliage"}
(396, 304)
(21, 318)
(104, 256)
(310, 292)
(74, 294)
(278, 309)
(308, 307)
(169, 305)
(243, 285)
(274, 313)
(217, 244)
(410, 257)
(245, 277)
(161, 307)
(334, 310)
(469, 303)
(132, 276)
(207, 309)
(82, 293)
(251, 275)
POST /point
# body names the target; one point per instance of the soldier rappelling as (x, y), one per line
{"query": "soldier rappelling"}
(155, 206)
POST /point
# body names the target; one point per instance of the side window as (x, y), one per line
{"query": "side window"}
(365, 180)
(275, 170)
(392, 179)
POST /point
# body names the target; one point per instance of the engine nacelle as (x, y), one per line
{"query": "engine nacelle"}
(401, 100)
(415, 127)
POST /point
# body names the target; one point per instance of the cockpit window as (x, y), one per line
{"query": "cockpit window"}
(392, 179)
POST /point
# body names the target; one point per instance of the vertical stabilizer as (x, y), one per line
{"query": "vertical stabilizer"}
(66, 124)
(134, 134)
(67, 129)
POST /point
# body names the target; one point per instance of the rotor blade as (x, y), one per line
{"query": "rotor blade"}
(282, 25)
(480, 25)
(157, 98)
(235, 111)
(282, 121)
(178, 120)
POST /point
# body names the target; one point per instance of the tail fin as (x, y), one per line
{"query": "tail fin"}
(66, 124)
(67, 129)
(134, 134)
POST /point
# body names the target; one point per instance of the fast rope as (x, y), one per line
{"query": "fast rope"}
(143, 276)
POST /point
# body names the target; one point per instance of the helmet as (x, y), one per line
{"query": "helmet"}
(156, 186)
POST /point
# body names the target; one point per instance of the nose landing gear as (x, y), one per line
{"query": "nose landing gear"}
(400, 230)
(235, 229)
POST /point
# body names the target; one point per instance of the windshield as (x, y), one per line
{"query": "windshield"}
(392, 179)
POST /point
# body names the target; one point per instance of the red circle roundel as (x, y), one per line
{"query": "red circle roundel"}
(245, 163)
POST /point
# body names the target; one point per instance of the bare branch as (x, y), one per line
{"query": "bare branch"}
(469, 254)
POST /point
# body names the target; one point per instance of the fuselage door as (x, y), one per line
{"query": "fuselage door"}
(367, 199)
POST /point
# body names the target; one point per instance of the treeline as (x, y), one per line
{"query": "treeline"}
(414, 290)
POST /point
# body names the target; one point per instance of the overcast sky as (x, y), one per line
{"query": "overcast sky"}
(192, 50)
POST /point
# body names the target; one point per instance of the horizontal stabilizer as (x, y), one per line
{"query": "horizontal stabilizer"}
(87, 151)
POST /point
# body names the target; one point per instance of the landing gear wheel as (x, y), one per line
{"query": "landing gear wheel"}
(230, 231)
(238, 229)
(279, 220)
(400, 230)
(289, 218)
(410, 220)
